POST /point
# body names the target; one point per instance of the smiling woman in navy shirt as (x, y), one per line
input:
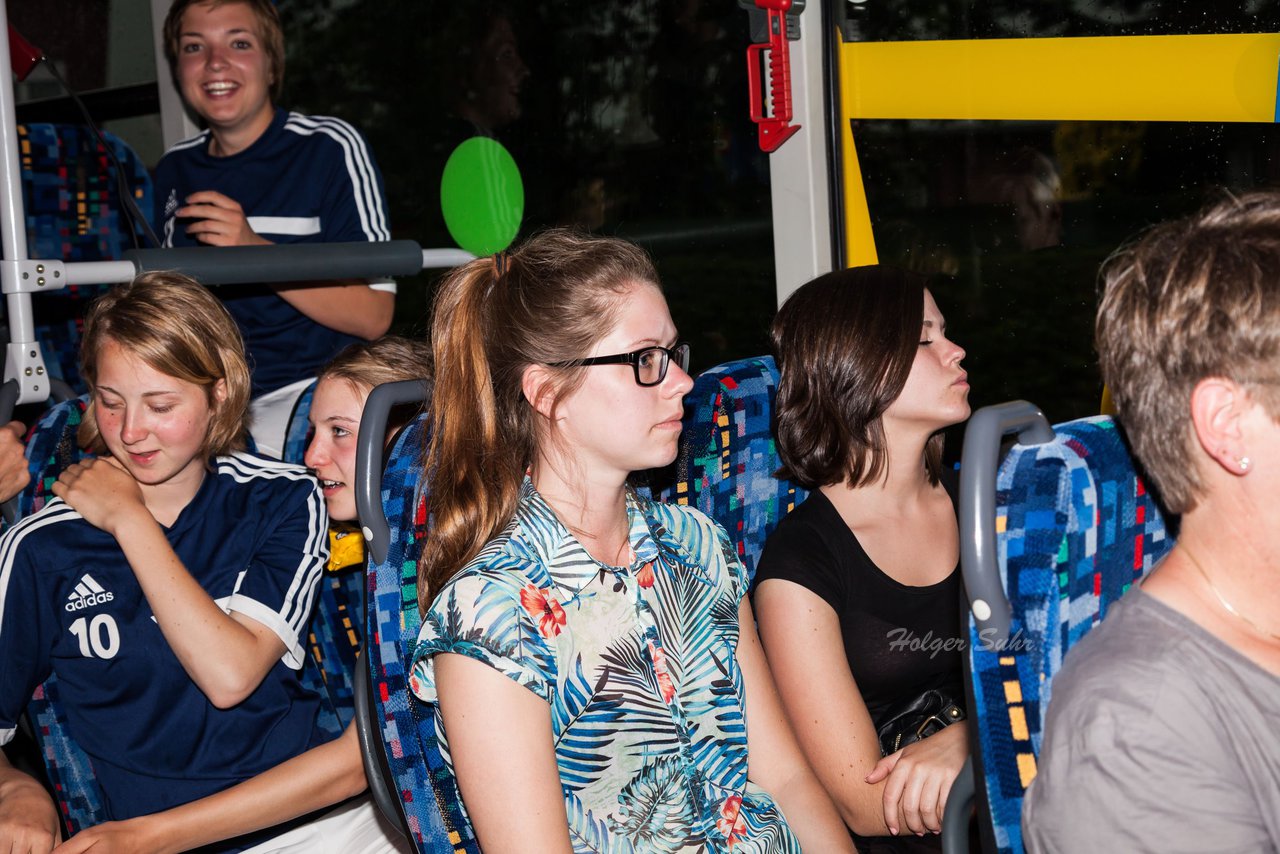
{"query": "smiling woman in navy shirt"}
(260, 174)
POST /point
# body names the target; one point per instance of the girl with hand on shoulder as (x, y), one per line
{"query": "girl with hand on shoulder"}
(333, 772)
(169, 583)
(589, 655)
(858, 590)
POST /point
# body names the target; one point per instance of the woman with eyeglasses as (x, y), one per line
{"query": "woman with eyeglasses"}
(589, 655)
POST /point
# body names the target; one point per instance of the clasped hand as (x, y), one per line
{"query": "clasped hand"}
(102, 491)
(918, 779)
(219, 220)
(28, 820)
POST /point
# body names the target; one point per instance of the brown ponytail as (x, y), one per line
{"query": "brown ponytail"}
(548, 300)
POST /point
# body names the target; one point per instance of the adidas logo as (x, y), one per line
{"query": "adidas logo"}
(171, 204)
(87, 594)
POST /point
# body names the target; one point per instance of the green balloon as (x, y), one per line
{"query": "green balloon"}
(482, 196)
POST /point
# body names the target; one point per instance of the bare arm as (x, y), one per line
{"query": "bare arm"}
(28, 819)
(345, 305)
(321, 777)
(806, 650)
(349, 306)
(226, 655)
(774, 760)
(501, 743)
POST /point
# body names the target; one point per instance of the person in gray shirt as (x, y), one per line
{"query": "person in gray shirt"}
(1162, 730)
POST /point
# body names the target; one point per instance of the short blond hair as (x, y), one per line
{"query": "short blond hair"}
(1192, 299)
(366, 365)
(389, 359)
(175, 325)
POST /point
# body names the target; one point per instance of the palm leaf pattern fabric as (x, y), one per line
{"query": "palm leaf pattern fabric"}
(639, 666)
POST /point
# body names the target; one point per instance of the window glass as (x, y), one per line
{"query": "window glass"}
(625, 118)
(897, 20)
(1021, 215)
(99, 47)
(1018, 215)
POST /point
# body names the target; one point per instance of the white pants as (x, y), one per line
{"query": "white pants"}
(269, 417)
(356, 827)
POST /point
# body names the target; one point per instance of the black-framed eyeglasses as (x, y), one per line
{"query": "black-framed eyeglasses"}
(649, 364)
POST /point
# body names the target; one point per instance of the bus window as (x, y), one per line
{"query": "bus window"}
(105, 52)
(1012, 149)
(625, 118)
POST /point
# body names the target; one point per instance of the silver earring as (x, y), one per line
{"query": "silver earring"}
(1243, 462)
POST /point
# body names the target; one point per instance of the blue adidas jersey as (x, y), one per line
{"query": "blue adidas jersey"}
(255, 537)
(307, 179)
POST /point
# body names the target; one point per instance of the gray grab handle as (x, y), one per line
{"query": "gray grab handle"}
(8, 401)
(369, 445)
(979, 463)
(293, 262)
(381, 788)
(955, 816)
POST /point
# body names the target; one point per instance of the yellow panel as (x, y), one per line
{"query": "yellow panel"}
(1209, 78)
(1018, 723)
(1107, 406)
(1002, 523)
(860, 243)
(1026, 768)
(1012, 691)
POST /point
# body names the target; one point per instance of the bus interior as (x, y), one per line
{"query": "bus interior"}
(1003, 149)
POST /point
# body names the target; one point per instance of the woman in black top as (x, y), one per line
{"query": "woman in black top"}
(858, 590)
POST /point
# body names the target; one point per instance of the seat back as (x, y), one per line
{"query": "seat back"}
(728, 455)
(298, 433)
(338, 626)
(328, 670)
(409, 778)
(1073, 527)
(72, 198)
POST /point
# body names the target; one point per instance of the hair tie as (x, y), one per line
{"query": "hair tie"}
(500, 263)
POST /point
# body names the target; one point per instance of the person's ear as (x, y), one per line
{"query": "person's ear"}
(1218, 408)
(220, 391)
(538, 388)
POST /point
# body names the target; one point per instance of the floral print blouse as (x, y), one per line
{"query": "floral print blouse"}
(639, 666)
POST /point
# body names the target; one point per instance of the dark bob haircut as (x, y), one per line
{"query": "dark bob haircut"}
(845, 343)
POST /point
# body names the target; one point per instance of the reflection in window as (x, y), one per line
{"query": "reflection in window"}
(626, 118)
(1020, 215)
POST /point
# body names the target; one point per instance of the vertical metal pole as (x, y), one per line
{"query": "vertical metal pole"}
(798, 170)
(22, 359)
(13, 240)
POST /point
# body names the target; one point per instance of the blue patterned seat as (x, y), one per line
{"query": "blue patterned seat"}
(1074, 528)
(328, 670)
(73, 213)
(728, 455)
(298, 433)
(336, 631)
